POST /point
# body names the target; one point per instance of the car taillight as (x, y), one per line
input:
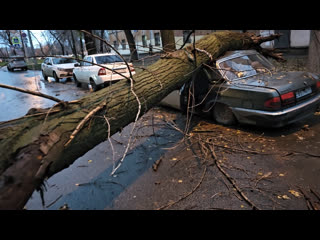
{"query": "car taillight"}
(287, 98)
(318, 84)
(131, 67)
(274, 103)
(102, 71)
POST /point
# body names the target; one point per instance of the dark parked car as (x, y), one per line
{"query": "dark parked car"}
(17, 63)
(246, 88)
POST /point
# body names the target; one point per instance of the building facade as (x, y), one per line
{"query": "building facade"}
(146, 38)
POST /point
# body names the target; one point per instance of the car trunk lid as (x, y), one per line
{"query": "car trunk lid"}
(302, 84)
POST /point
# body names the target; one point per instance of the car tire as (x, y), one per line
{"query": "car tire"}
(56, 77)
(45, 77)
(78, 84)
(223, 114)
(94, 85)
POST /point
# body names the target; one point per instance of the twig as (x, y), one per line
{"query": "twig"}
(83, 121)
(109, 139)
(32, 93)
(308, 200)
(230, 179)
(315, 193)
(188, 194)
(268, 174)
(49, 205)
(133, 127)
(109, 45)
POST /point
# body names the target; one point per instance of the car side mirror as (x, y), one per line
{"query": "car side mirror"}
(49, 63)
(77, 64)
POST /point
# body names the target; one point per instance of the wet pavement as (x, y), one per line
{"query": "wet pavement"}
(16, 104)
(247, 167)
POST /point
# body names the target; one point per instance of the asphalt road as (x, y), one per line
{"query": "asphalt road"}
(16, 104)
(272, 168)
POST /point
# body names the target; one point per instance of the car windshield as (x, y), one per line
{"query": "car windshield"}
(108, 59)
(63, 60)
(245, 66)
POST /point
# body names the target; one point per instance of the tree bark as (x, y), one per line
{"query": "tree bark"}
(132, 45)
(37, 146)
(313, 62)
(168, 42)
(90, 43)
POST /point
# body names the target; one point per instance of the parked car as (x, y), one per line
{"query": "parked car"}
(246, 88)
(17, 63)
(57, 67)
(98, 76)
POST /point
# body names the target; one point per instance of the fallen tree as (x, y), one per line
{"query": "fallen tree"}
(38, 145)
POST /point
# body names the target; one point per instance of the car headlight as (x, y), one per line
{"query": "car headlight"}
(60, 69)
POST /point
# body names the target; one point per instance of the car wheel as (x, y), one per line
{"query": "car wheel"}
(45, 77)
(56, 77)
(94, 85)
(223, 114)
(78, 84)
(9, 69)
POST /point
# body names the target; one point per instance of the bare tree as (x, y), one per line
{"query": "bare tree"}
(313, 62)
(90, 43)
(168, 42)
(132, 44)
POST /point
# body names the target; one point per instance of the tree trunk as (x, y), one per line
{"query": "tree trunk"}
(90, 43)
(32, 48)
(168, 42)
(132, 45)
(73, 46)
(37, 146)
(81, 44)
(313, 62)
(101, 42)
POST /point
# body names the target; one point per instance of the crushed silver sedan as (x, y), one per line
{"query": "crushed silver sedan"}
(246, 88)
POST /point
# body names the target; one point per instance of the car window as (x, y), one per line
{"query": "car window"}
(63, 60)
(244, 66)
(88, 61)
(108, 59)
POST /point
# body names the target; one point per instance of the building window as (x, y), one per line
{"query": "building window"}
(123, 44)
(115, 44)
(185, 35)
(144, 40)
(157, 39)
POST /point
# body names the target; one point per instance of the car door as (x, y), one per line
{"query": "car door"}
(49, 67)
(44, 66)
(87, 70)
(81, 71)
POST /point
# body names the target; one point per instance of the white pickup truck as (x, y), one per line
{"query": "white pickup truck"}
(98, 76)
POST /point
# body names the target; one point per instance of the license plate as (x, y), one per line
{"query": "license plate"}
(303, 92)
(121, 70)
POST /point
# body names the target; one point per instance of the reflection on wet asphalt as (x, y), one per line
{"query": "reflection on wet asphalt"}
(15, 104)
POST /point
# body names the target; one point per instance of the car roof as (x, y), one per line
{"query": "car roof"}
(101, 54)
(234, 54)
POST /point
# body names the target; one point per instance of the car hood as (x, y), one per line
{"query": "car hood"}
(281, 81)
(65, 65)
